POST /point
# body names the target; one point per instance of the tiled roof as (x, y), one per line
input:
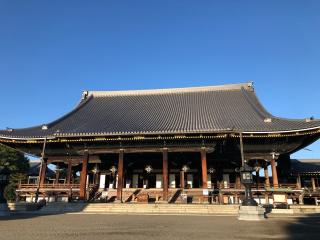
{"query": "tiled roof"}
(167, 111)
(34, 168)
(305, 167)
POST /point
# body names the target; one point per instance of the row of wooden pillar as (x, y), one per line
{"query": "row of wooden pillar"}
(84, 172)
(165, 182)
(43, 173)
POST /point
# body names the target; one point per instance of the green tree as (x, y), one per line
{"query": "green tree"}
(17, 164)
(13, 160)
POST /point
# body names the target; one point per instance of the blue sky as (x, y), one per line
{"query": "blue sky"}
(52, 50)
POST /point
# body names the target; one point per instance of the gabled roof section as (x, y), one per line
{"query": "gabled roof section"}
(212, 109)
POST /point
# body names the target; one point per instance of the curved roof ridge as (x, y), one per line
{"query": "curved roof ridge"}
(248, 86)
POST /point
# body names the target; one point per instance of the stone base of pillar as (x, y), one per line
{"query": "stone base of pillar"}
(251, 213)
(4, 210)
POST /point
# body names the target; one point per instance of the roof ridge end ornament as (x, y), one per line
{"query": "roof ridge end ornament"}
(251, 85)
(310, 119)
(268, 120)
(8, 129)
(85, 94)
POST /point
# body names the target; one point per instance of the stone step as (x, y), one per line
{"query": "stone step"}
(161, 208)
(137, 208)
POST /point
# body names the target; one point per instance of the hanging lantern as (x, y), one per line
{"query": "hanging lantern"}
(113, 169)
(148, 169)
(185, 168)
(95, 170)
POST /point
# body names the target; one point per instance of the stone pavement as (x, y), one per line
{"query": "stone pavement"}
(101, 226)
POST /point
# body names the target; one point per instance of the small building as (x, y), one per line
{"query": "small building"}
(169, 145)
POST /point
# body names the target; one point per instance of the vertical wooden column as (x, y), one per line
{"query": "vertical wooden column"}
(266, 176)
(120, 176)
(182, 179)
(238, 181)
(274, 173)
(165, 174)
(43, 172)
(258, 179)
(299, 182)
(83, 176)
(57, 174)
(69, 172)
(313, 184)
(204, 167)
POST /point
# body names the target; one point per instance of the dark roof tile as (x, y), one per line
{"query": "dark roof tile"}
(168, 111)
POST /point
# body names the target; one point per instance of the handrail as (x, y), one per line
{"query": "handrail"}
(51, 186)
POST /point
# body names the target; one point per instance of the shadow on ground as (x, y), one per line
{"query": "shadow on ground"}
(305, 227)
(32, 211)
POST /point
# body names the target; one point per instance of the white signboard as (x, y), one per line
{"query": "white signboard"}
(205, 192)
(102, 184)
(279, 198)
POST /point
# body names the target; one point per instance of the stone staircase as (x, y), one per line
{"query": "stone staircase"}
(17, 207)
(60, 207)
(130, 208)
(166, 209)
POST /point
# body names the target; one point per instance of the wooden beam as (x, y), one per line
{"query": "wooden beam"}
(120, 176)
(165, 174)
(204, 167)
(148, 150)
(83, 176)
(274, 173)
(74, 159)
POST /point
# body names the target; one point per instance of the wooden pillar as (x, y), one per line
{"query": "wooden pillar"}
(274, 173)
(120, 176)
(313, 183)
(299, 182)
(69, 172)
(266, 176)
(182, 179)
(165, 173)
(238, 182)
(266, 197)
(57, 174)
(43, 172)
(83, 177)
(258, 179)
(204, 167)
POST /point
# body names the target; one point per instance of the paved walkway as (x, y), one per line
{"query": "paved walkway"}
(94, 227)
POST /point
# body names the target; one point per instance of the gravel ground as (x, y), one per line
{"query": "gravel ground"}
(103, 226)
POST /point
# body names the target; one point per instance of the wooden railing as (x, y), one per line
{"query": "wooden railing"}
(255, 186)
(219, 186)
(49, 186)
